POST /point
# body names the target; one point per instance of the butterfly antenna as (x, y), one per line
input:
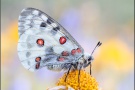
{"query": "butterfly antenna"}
(98, 44)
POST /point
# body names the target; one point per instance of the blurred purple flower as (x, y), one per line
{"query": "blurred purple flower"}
(45, 75)
(127, 83)
(71, 20)
(20, 83)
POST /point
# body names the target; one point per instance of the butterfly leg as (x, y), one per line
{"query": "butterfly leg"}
(68, 72)
(90, 68)
(88, 65)
(79, 74)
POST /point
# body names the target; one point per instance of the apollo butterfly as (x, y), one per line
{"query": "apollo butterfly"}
(43, 42)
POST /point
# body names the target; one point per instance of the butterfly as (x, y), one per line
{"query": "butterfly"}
(43, 42)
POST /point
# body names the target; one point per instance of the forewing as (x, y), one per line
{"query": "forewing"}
(44, 42)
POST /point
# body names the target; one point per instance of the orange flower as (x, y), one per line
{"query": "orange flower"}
(87, 82)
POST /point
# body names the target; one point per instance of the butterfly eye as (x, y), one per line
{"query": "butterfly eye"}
(90, 58)
(85, 61)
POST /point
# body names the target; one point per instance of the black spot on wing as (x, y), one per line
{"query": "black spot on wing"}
(28, 54)
(29, 45)
(40, 13)
(43, 24)
(56, 28)
(53, 32)
(49, 21)
(49, 50)
(26, 12)
(28, 62)
(49, 58)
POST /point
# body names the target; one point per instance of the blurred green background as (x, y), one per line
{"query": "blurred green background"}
(88, 21)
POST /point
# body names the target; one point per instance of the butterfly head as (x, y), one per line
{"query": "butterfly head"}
(87, 59)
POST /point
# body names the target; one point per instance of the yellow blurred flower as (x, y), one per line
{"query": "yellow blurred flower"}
(114, 54)
(9, 41)
(86, 82)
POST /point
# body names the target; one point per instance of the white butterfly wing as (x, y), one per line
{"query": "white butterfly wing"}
(44, 42)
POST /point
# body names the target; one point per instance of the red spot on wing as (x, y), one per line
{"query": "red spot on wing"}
(38, 59)
(65, 53)
(61, 59)
(62, 40)
(40, 42)
(73, 52)
(37, 65)
(78, 50)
